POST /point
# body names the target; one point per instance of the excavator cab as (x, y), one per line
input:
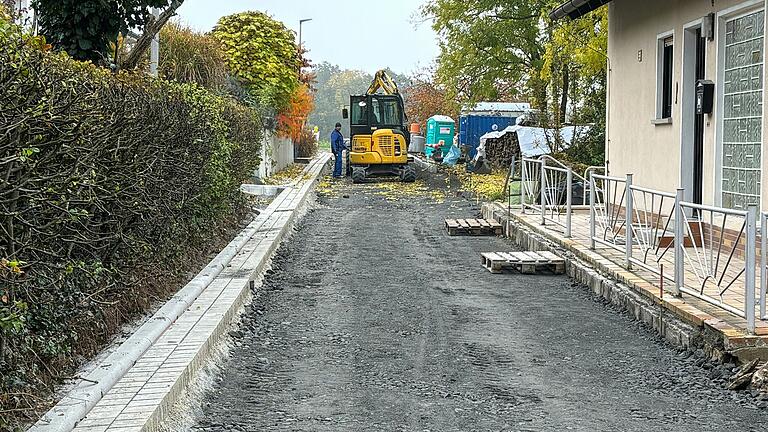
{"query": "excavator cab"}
(378, 138)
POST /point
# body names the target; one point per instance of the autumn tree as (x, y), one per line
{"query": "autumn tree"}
(292, 119)
(426, 98)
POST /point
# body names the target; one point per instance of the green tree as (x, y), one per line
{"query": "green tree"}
(510, 50)
(262, 54)
(575, 60)
(86, 28)
(488, 48)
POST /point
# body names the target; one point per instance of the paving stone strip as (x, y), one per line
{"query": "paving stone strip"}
(162, 368)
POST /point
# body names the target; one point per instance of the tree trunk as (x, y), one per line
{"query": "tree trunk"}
(564, 99)
(132, 59)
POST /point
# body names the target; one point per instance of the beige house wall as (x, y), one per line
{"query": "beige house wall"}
(652, 152)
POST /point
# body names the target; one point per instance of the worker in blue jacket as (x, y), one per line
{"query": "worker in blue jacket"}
(337, 147)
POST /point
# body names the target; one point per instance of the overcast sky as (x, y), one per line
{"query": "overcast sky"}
(355, 34)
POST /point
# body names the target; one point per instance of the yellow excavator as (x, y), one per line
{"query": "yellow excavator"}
(378, 133)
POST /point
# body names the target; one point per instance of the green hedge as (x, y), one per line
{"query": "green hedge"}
(109, 185)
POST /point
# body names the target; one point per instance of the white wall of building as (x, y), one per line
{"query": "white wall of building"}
(637, 142)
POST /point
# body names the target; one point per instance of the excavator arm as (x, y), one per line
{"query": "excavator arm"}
(383, 81)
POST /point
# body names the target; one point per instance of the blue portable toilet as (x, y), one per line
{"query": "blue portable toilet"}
(440, 127)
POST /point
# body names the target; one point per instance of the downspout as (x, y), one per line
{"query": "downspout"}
(608, 116)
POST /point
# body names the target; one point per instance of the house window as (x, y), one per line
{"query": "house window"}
(664, 80)
(742, 119)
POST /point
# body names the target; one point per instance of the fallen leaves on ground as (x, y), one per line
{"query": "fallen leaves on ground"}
(287, 175)
(487, 186)
(325, 186)
(391, 190)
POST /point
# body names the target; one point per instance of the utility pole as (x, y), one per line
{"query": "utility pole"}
(301, 21)
(154, 55)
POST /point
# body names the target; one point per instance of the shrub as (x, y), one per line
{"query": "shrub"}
(306, 145)
(187, 56)
(110, 185)
(261, 52)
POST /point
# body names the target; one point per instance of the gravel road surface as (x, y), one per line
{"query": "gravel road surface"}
(373, 319)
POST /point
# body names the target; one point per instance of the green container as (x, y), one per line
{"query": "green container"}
(440, 128)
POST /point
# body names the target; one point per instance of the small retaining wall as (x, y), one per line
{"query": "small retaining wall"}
(276, 154)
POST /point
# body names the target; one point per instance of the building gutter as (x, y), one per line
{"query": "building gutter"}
(576, 8)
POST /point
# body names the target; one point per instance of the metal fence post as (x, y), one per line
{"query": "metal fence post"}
(523, 184)
(510, 180)
(763, 263)
(543, 192)
(568, 204)
(679, 243)
(749, 273)
(628, 211)
(592, 215)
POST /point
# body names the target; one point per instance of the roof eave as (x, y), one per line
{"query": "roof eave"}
(575, 8)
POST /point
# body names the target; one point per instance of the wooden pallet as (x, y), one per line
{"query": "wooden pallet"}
(524, 262)
(473, 227)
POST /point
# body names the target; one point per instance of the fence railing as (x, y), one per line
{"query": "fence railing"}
(530, 184)
(652, 226)
(546, 188)
(556, 196)
(709, 246)
(575, 178)
(715, 246)
(588, 184)
(607, 224)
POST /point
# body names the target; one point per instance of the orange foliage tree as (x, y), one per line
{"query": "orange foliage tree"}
(425, 98)
(291, 121)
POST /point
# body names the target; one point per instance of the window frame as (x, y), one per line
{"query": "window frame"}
(665, 68)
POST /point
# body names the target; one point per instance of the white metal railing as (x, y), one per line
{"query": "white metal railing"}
(530, 185)
(607, 196)
(587, 184)
(715, 246)
(546, 188)
(652, 228)
(584, 180)
(700, 236)
(556, 196)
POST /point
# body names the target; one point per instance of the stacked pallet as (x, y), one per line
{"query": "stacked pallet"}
(524, 262)
(473, 227)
